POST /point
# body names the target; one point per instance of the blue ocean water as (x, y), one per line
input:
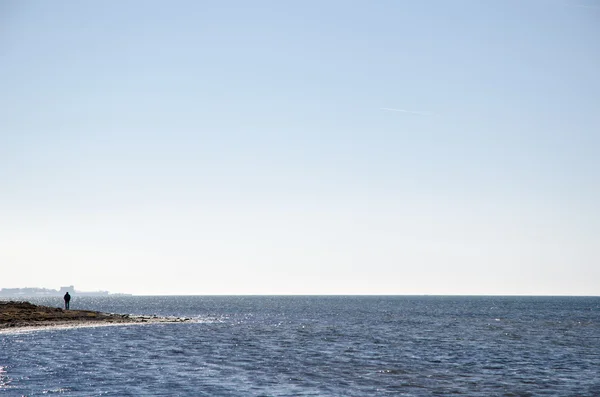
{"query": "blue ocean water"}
(316, 346)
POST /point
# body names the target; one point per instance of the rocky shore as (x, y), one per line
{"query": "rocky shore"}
(16, 315)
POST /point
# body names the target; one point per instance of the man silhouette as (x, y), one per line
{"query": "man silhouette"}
(67, 300)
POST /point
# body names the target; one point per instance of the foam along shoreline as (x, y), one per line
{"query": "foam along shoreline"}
(25, 316)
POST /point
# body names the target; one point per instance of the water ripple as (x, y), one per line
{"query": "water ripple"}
(325, 346)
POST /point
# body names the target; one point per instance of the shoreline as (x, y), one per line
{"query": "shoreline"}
(20, 316)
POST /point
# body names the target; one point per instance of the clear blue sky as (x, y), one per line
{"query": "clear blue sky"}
(307, 147)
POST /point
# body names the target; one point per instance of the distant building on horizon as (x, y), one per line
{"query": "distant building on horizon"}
(70, 289)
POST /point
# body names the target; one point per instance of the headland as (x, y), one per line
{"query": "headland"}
(24, 315)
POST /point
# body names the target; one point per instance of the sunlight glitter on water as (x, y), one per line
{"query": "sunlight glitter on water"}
(4, 379)
(326, 346)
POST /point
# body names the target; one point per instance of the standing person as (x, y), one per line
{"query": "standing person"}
(67, 300)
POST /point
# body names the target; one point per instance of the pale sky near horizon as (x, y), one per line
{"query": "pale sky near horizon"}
(306, 147)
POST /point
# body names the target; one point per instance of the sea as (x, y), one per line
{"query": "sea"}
(315, 346)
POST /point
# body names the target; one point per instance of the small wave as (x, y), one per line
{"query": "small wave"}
(58, 390)
(393, 371)
(209, 319)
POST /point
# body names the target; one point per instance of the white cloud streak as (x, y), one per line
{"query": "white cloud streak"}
(408, 111)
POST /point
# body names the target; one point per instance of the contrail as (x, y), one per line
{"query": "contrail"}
(408, 111)
(580, 5)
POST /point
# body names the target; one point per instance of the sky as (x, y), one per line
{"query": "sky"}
(301, 147)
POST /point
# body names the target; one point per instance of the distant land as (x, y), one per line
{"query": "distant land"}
(36, 292)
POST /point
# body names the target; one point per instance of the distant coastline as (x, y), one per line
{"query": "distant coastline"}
(31, 292)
